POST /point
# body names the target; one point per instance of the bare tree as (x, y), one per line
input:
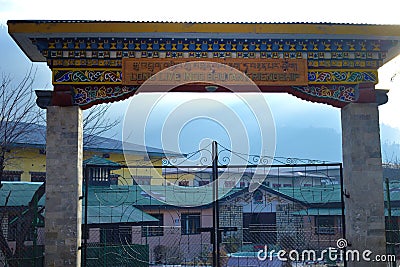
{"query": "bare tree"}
(391, 158)
(20, 118)
(18, 112)
(96, 123)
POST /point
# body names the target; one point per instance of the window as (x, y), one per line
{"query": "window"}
(11, 175)
(99, 176)
(156, 229)
(325, 225)
(258, 197)
(190, 224)
(201, 183)
(113, 178)
(183, 183)
(38, 176)
(229, 184)
(243, 184)
(259, 228)
(116, 235)
(142, 180)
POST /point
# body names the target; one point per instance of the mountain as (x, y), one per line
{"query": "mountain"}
(326, 143)
(309, 143)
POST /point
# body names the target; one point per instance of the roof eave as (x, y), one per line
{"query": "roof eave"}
(22, 30)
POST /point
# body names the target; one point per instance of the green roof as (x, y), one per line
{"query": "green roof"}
(14, 194)
(313, 194)
(154, 195)
(320, 212)
(323, 194)
(116, 214)
(121, 203)
(333, 211)
(100, 161)
(394, 188)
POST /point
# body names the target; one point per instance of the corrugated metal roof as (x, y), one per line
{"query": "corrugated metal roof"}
(154, 195)
(100, 161)
(14, 194)
(19, 194)
(334, 212)
(23, 31)
(187, 22)
(319, 212)
(120, 203)
(313, 194)
(36, 137)
(116, 214)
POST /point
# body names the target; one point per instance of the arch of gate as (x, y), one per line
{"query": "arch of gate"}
(96, 62)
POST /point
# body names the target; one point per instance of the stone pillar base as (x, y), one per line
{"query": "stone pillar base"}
(363, 181)
(64, 149)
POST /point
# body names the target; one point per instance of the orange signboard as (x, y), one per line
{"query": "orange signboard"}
(230, 71)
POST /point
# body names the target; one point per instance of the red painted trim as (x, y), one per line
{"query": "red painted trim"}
(367, 93)
(62, 95)
(62, 98)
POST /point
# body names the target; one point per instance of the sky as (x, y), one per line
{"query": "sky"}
(287, 111)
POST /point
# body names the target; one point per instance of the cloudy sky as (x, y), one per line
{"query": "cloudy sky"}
(286, 111)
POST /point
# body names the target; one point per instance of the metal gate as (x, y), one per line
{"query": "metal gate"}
(158, 212)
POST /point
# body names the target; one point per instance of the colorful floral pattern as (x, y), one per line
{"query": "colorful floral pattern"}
(84, 95)
(340, 93)
(87, 76)
(342, 76)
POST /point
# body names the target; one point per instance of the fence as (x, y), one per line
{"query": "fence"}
(22, 222)
(392, 210)
(152, 213)
(170, 208)
(117, 255)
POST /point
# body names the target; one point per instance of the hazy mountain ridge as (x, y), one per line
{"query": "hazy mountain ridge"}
(308, 143)
(326, 143)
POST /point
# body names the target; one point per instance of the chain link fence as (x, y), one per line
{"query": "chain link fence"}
(391, 173)
(296, 207)
(22, 224)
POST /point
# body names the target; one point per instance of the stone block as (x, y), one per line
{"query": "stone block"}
(363, 178)
(63, 186)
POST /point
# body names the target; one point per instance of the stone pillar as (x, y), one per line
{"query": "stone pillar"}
(363, 181)
(64, 149)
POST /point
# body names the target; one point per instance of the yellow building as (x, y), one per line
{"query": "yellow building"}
(26, 159)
